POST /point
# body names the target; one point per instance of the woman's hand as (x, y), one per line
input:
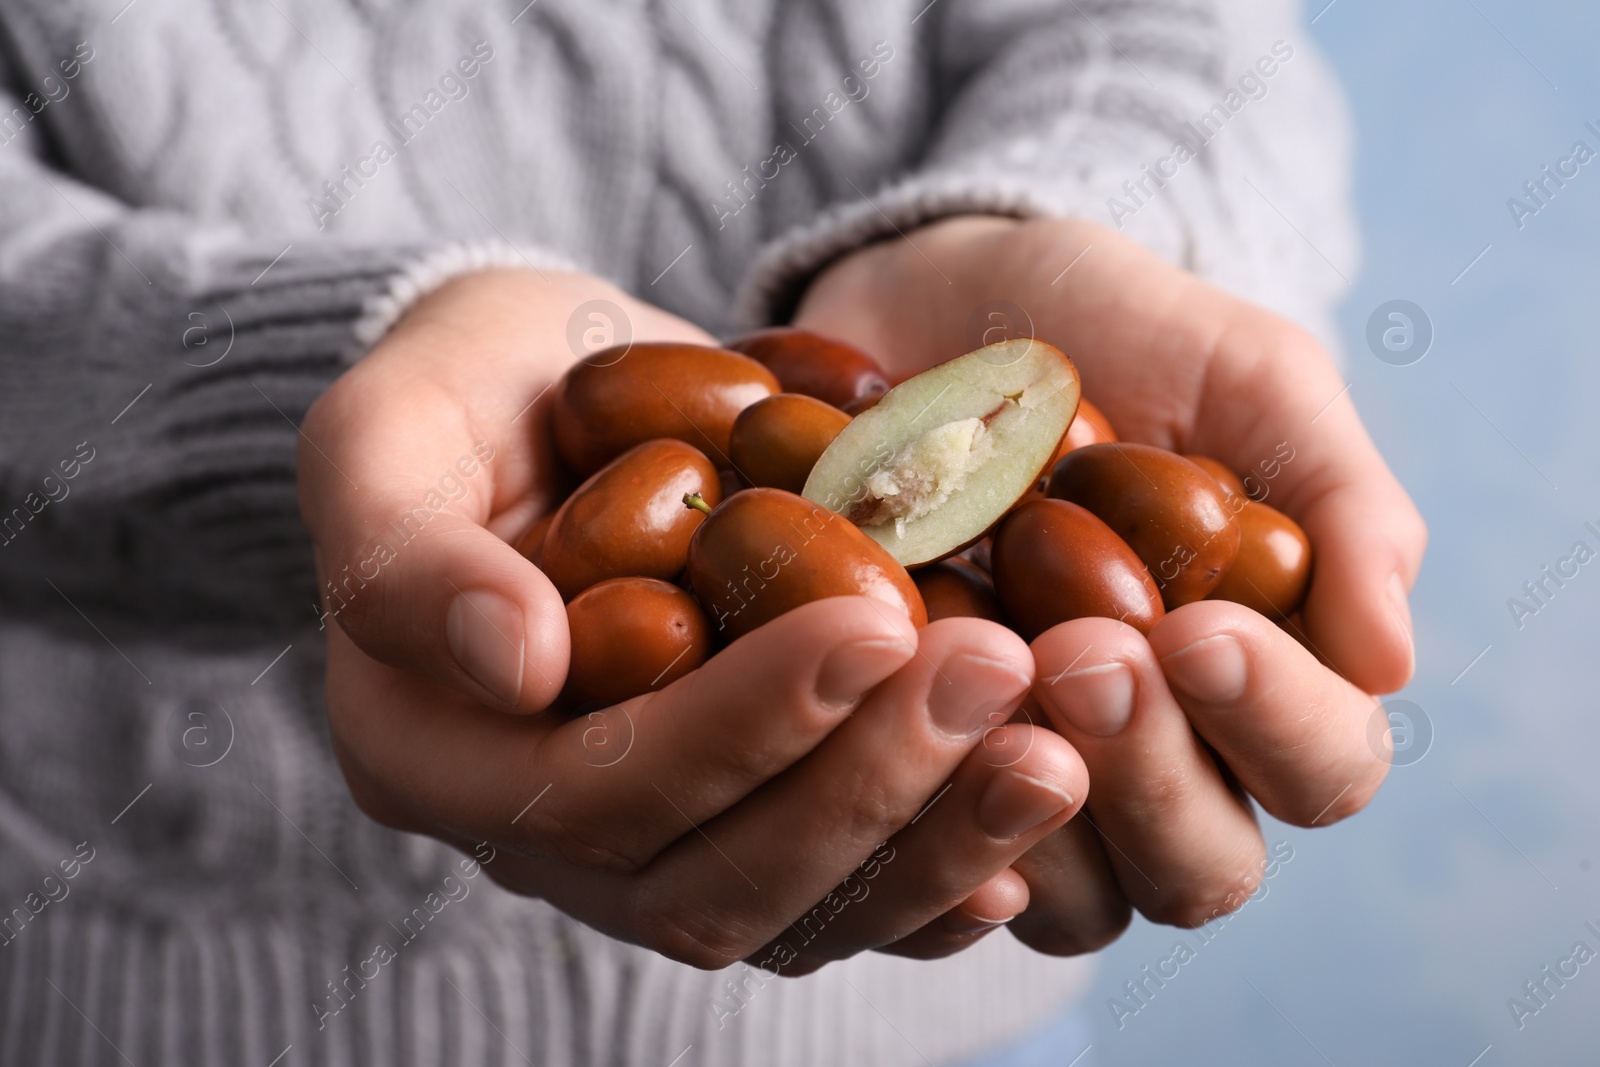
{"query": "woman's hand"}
(711, 821)
(1218, 702)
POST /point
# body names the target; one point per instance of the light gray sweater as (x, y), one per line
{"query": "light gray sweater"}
(199, 203)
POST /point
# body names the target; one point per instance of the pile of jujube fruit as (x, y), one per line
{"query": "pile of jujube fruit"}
(724, 487)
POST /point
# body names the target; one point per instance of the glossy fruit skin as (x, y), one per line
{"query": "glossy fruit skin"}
(765, 552)
(776, 441)
(627, 395)
(954, 588)
(532, 543)
(1089, 427)
(1273, 568)
(632, 636)
(1232, 486)
(1172, 514)
(1054, 562)
(866, 403)
(832, 371)
(628, 519)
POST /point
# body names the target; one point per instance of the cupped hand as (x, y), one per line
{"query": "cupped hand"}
(785, 803)
(1218, 705)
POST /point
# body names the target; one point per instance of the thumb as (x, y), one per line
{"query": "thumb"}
(449, 599)
(1368, 541)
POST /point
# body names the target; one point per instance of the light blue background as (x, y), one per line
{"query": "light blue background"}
(1398, 937)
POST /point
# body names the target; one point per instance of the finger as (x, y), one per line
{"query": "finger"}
(645, 772)
(1009, 792)
(1299, 737)
(610, 791)
(1181, 843)
(991, 906)
(1074, 902)
(396, 486)
(725, 892)
(1310, 457)
(1368, 539)
(460, 605)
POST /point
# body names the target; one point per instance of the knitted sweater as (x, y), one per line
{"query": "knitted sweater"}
(202, 200)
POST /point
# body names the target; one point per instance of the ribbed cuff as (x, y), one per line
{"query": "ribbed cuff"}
(431, 272)
(778, 279)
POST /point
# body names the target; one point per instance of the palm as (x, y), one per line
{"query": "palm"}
(1173, 362)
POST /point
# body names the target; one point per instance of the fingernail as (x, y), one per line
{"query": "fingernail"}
(1400, 605)
(959, 922)
(847, 673)
(1212, 671)
(1097, 700)
(485, 633)
(968, 690)
(1013, 804)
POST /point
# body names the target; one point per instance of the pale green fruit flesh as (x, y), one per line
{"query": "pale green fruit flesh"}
(943, 456)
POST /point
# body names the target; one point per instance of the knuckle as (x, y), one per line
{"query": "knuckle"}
(1414, 529)
(683, 931)
(870, 807)
(583, 844)
(1163, 788)
(1290, 343)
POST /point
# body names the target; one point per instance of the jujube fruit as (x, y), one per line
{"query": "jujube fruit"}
(1273, 567)
(632, 636)
(1232, 486)
(627, 395)
(1170, 512)
(1055, 561)
(532, 542)
(628, 519)
(944, 455)
(832, 371)
(954, 588)
(1090, 427)
(765, 552)
(776, 441)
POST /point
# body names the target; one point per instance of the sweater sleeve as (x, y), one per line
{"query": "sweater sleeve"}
(154, 371)
(1155, 117)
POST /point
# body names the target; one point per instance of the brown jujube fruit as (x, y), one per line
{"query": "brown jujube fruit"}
(765, 552)
(628, 520)
(1170, 512)
(776, 441)
(954, 588)
(1054, 562)
(625, 396)
(1232, 487)
(632, 636)
(1273, 567)
(532, 543)
(832, 371)
(1090, 427)
(866, 403)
